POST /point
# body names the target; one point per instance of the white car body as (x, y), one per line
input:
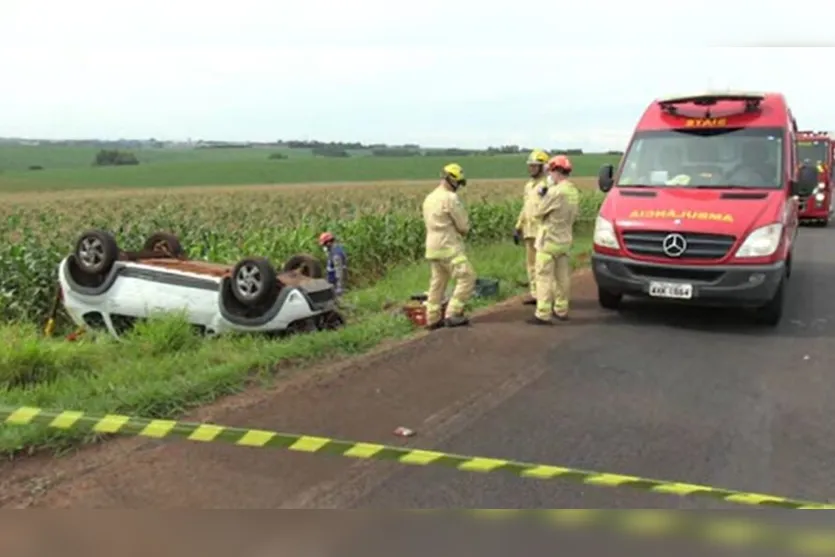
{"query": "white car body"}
(141, 289)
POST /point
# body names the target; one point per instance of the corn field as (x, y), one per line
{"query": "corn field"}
(380, 226)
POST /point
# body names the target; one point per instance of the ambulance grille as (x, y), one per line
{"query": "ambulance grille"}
(699, 246)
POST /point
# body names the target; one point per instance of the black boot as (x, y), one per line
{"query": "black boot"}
(457, 321)
(538, 321)
(440, 324)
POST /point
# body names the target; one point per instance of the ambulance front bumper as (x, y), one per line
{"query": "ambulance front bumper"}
(731, 285)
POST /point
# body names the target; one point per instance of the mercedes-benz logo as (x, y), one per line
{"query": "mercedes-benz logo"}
(674, 245)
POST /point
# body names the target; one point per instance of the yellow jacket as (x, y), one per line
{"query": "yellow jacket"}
(526, 222)
(556, 212)
(446, 224)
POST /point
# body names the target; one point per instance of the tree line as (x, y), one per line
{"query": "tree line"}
(124, 157)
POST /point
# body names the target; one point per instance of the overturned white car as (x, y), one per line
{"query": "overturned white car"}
(104, 287)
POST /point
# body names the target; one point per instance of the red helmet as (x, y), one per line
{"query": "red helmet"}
(325, 237)
(559, 162)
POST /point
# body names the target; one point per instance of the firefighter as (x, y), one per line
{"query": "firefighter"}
(558, 203)
(446, 224)
(525, 230)
(337, 266)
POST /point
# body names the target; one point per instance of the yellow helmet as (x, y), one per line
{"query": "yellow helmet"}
(538, 156)
(455, 174)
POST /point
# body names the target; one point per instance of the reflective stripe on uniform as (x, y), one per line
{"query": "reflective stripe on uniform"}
(455, 307)
(440, 253)
(459, 259)
(550, 249)
(572, 195)
(542, 256)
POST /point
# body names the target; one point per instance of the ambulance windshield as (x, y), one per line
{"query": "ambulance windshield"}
(812, 152)
(715, 157)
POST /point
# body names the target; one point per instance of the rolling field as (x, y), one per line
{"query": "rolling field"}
(43, 212)
(235, 167)
(14, 158)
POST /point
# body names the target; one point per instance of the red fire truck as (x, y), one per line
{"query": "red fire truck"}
(815, 148)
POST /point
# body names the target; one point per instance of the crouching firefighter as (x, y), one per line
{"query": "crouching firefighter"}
(446, 224)
(555, 212)
(525, 229)
(337, 265)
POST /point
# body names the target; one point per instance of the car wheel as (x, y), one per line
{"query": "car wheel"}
(771, 313)
(253, 281)
(95, 252)
(164, 244)
(306, 264)
(331, 320)
(608, 300)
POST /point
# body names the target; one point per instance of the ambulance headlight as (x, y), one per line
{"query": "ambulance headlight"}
(604, 234)
(762, 242)
(819, 197)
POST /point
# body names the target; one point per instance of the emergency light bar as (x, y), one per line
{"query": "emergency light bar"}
(752, 100)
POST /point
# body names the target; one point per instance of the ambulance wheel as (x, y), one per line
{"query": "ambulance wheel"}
(771, 313)
(608, 300)
(306, 264)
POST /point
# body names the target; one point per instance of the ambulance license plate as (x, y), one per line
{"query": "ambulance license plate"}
(675, 290)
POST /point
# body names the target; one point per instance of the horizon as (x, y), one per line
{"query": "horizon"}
(279, 142)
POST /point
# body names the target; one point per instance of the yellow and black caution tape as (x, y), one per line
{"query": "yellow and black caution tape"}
(242, 437)
(708, 528)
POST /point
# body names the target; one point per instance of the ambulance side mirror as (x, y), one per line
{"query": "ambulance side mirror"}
(606, 178)
(807, 180)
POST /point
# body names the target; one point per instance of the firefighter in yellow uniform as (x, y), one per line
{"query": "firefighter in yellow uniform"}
(557, 209)
(525, 229)
(446, 224)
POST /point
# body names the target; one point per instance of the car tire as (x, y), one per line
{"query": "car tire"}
(253, 282)
(331, 321)
(306, 264)
(771, 313)
(165, 244)
(608, 300)
(95, 252)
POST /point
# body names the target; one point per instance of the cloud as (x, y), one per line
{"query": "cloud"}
(441, 71)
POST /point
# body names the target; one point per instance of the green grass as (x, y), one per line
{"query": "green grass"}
(262, 171)
(162, 370)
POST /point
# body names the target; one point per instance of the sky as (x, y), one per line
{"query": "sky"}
(436, 72)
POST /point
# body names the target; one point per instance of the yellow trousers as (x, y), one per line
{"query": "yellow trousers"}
(461, 271)
(530, 264)
(553, 285)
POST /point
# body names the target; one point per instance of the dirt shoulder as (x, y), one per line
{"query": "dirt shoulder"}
(436, 384)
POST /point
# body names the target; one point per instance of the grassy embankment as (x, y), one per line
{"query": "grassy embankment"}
(162, 370)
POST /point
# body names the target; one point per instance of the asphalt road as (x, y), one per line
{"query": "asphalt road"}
(691, 395)
(680, 394)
